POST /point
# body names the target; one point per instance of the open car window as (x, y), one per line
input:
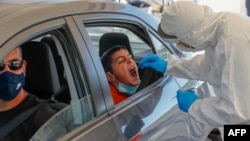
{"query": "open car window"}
(138, 46)
(80, 107)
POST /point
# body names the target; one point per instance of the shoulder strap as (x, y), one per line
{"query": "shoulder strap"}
(148, 77)
(14, 122)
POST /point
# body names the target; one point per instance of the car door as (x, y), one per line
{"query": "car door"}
(70, 66)
(93, 116)
(134, 117)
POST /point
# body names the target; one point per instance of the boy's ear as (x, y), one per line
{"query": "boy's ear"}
(110, 77)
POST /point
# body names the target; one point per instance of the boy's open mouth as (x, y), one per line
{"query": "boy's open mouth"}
(133, 72)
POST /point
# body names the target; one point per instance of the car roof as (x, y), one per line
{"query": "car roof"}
(15, 17)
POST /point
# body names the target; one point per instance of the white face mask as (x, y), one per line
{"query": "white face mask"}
(182, 47)
(123, 88)
(129, 90)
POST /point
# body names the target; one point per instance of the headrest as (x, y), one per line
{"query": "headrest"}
(111, 39)
(57, 58)
(49, 41)
(41, 74)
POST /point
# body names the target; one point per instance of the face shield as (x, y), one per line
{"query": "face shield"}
(191, 23)
(174, 39)
(185, 47)
(167, 38)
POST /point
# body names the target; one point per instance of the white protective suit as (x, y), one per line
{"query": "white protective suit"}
(225, 37)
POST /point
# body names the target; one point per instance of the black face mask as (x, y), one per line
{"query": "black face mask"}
(10, 85)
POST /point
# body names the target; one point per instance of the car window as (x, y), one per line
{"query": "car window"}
(51, 41)
(80, 107)
(71, 117)
(140, 42)
(138, 46)
(160, 48)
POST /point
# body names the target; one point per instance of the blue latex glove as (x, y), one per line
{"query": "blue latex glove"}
(185, 99)
(154, 62)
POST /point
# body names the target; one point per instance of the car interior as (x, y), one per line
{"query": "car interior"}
(45, 71)
(44, 78)
(107, 40)
(63, 94)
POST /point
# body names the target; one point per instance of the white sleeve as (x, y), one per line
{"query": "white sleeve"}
(231, 106)
(191, 68)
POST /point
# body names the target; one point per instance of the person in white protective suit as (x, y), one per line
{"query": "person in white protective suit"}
(225, 39)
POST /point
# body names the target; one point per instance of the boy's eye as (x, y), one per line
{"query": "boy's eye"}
(121, 60)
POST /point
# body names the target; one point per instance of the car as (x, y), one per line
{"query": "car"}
(62, 39)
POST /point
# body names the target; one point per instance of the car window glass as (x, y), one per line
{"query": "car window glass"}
(79, 111)
(66, 120)
(160, 49)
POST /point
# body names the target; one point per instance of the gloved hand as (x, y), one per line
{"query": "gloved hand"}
(154, 62)
(185, 99)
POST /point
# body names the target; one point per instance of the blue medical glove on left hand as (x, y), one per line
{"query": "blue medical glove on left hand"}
(154, 62)
(185, 99)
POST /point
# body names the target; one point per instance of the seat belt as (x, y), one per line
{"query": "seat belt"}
(14, 122)
(145, 79)
(148, 77)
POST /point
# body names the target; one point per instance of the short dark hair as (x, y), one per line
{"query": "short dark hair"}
(106, 56)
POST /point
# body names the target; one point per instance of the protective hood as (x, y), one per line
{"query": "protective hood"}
(192, 23)
(224, 36)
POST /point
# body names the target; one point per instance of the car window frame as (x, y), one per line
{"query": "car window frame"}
(38, 30)
(110, 18)
(43, 28)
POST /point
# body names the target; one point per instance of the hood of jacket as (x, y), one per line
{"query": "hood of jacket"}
(192, 23)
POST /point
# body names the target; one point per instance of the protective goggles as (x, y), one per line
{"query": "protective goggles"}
(13, 65)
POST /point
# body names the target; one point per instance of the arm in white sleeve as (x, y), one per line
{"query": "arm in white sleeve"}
(231, 106)
(190, 68)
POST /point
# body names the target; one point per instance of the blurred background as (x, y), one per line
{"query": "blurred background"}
(155, 7)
